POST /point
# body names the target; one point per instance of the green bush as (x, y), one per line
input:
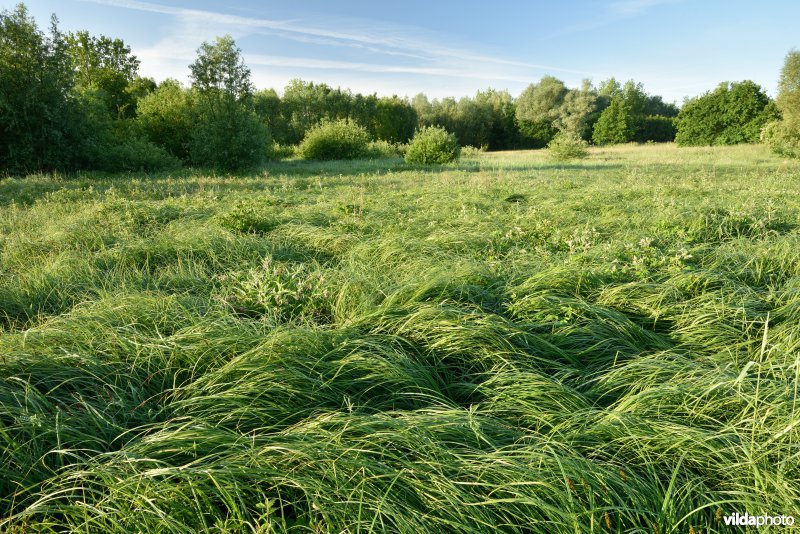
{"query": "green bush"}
(472, 151)
(136, 155)
(432, 145)
(279, 152)
(783, 137)
(340, 139)
(385, 149)
(165, 116)
(228, 135)
(732, 113)
(565, 147)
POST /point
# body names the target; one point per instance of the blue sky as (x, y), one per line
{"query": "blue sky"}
(677, 48)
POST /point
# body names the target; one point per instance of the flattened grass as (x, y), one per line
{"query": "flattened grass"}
(499, 344)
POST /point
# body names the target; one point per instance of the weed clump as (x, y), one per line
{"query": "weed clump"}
(565, 147)
(330, 140)
(432, 145)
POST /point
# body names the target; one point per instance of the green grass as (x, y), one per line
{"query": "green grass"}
(501, 343)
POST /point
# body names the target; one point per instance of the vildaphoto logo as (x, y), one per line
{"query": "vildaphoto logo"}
(747, 520)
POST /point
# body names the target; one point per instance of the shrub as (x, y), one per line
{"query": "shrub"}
(228, 135)
(732, 113)
(279, 152)
(165, 116)
(432, 145)
(565, 147)
(783, 137)
(472, 151)
(385, 149)
(136, 155)
(340, 139)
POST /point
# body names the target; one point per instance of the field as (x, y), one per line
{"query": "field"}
(611, 345)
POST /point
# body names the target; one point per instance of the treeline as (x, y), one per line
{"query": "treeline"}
(76, 101)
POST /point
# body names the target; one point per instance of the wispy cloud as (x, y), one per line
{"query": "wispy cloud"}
(404, 49)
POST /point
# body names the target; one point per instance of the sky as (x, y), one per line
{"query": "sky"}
(676, 48)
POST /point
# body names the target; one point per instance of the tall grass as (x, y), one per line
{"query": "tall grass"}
(500, 344)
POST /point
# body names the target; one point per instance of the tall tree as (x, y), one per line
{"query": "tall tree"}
(576, 110)
(783, 135)
(227, 134)
(615, 124)
(538, 107)
(40, 120)
(219, 67)
(106, 65)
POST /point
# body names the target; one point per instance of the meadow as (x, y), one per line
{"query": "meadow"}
(502, 343)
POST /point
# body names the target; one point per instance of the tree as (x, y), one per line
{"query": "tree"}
(269, 108)
(41, 125)
(165, 116)
(227, 133)
(105, 65)
(220, 68)
(306, 104)
(576, 110)
(732, 113)
(788, 100)
(502, 131)
(615, 124)
(538, 107)
(395, 120)
(783, 135)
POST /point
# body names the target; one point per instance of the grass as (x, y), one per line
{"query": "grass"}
(501, 343)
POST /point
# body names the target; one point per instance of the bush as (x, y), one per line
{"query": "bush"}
(732, 113)
(228, 135)
(432, 145)
(165, 116)
(472, 151)
(136, 155)
(783, 137)
(279, 152)
(565, 147)
(340, 139)
(385, 149)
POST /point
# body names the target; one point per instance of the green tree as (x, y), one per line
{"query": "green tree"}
(576, 110)
(306, 104)
(220, 68)
(227, 133)
(502, 129)
(107, 66)
(783, 135)
(165, 116)
(538, 108)
(732, 113)
(615, 124)
(788, 100)
(41, 125)
(395, 119)
(269, 108)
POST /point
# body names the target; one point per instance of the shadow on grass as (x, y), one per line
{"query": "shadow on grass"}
(26, 191)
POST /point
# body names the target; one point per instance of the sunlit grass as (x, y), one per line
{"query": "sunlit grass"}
(499, 343)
